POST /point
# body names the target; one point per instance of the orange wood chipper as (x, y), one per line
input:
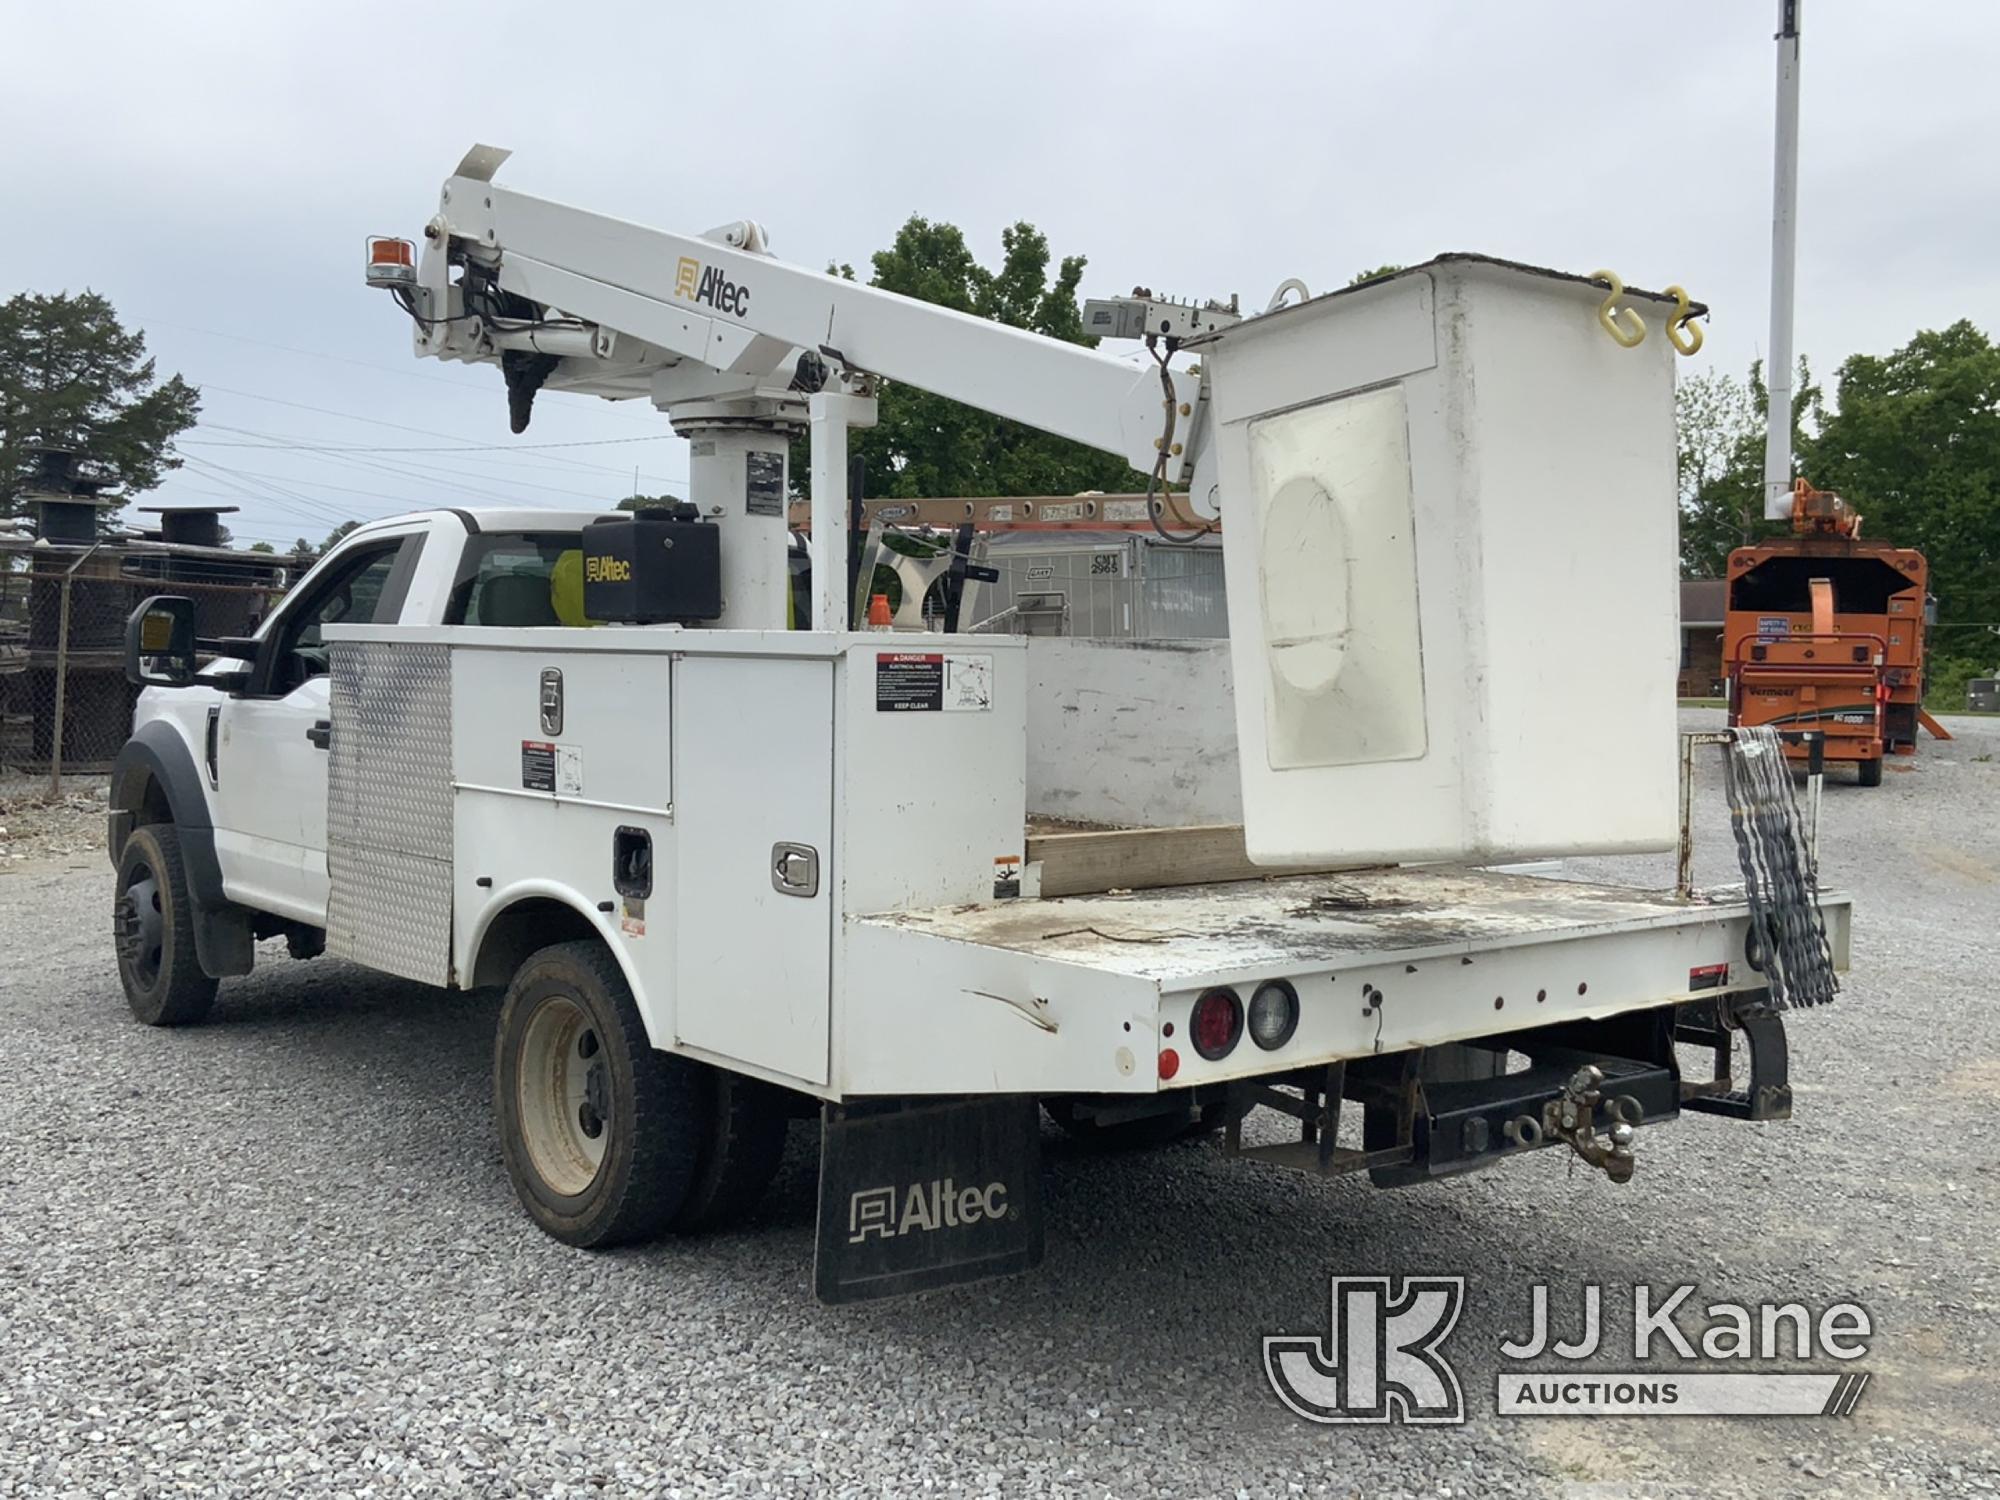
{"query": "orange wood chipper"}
(1824, 635)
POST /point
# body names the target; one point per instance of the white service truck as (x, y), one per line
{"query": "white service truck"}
(730, 873)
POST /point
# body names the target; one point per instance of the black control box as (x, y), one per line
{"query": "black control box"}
(655, 567)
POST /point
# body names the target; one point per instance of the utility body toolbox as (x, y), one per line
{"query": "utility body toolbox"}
(841, 935)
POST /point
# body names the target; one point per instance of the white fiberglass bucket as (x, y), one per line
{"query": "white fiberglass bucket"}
(1449, 504)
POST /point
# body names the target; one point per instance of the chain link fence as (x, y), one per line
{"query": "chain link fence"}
(65, 706)
(1116, 588)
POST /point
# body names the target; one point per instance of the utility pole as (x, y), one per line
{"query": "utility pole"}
(1784, 269)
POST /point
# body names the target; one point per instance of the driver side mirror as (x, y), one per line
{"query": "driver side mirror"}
(159, 642)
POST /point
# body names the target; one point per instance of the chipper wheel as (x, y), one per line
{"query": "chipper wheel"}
(153, 921)
(603, 1135)
(1869, 771)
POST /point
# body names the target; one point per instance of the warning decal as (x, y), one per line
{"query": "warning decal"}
(909, 682)
(764, 484)
(933, 682)
(547, 767)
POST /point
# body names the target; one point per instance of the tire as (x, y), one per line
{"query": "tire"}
(1869, 771)
(747, 1125)
(1144, 1133)
(153, 923)
(602, 1134)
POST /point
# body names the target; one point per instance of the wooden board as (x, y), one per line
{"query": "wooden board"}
(1130, 859)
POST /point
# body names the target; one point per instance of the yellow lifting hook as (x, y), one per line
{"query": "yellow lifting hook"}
(1631, 330)
(1682, 322)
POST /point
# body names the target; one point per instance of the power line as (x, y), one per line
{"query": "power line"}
(217, 475)
(465, 448)
(461, 386)
(278, 442)
(433, 475)
(328, 411)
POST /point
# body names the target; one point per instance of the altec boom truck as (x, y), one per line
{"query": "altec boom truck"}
(728, 873)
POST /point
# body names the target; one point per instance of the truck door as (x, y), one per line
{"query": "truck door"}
(753, 824)
(271, 745)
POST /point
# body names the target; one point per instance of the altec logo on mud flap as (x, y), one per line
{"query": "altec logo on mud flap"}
(694, 282)
(887, 1212)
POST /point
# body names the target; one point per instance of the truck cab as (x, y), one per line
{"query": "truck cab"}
(249, 739)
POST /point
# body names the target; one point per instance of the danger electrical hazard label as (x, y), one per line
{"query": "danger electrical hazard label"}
(933, 682)
(554, 768)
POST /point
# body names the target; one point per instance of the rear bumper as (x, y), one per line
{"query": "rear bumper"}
(1416, 1126)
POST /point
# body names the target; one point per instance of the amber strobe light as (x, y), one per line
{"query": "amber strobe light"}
(391, 262)
(1217, 1024)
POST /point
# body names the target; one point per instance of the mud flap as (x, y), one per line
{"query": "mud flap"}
(926, 1194)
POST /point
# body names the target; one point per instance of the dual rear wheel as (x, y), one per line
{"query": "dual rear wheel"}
(607, 1140)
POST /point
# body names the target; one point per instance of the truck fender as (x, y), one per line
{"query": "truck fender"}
(157, 767)
(531, 914)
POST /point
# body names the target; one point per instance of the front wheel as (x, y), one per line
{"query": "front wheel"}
(153, 922)
(602, 1134)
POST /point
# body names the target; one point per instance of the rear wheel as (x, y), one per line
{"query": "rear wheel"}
(602, 1134)
(1870, 771)
(747, 1124)
(153, 921)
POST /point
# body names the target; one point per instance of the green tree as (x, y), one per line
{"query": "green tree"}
(926, 445)
(1388, 268)
(262, 547)
(308, 551)
(647, 502)
(1914, 445)
(1720, 421)
(72, 376)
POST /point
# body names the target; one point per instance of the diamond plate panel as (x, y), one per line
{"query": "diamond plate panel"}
(389, 806)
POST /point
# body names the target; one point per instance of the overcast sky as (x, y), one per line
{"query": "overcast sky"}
(213, 169)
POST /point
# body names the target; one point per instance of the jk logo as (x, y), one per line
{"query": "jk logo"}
(1379, 1359)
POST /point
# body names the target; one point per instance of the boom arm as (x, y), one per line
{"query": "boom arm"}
(722, 304)
(738, 346)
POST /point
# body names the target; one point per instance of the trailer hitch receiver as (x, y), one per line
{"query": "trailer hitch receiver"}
(1574, 1117)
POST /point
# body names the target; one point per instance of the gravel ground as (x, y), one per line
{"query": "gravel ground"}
(279, 1254)
(34, 825)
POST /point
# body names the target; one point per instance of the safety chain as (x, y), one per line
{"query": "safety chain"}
(1787, 934)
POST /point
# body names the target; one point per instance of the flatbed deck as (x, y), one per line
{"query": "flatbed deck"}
(1331, 921)
(1381, 960)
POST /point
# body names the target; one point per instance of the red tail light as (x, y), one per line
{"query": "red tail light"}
(1217, 1024)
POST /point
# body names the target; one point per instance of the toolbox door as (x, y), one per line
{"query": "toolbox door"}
(753, 814)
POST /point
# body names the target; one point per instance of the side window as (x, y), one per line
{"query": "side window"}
(367, 589)
(519, 578)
